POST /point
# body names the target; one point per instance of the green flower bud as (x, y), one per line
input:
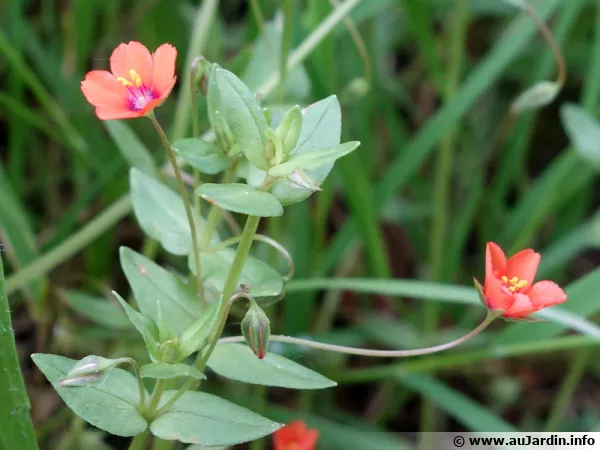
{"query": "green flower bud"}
(89, 371)
(256, 329)
(200, 71)
(289, 129)
(301, 179)
(169, 351)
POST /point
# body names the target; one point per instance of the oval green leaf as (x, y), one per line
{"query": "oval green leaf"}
(202, 155)
(244, 117)
(313, 160)
(161, 213)
(237, 362)
(241, 198)
(583, 131)
(155, 288)
(205, 419)
(111, 406)
(163, 371)
(261, 279)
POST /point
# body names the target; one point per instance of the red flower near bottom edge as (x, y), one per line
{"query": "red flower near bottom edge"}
(295, 436)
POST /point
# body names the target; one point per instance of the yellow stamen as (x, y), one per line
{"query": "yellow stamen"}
(514, 283)
(135, 77)
(124, 82)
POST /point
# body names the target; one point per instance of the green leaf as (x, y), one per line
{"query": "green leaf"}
(241, 198)
(157, 289)
(161, 213)
(201, 418)
(321, 128)
(111, 406)
(98, 310)
(583, 131)
(237, 362)
(313, 160)
(132, 149)
(202, 155)
(262, 279)
(17, 429)
(165, 371)
(244, 117)
(146, 327)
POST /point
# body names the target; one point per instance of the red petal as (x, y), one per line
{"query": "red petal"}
(309, 441)
(164, 69)
(521, 307)
(132, 56)
(495, 260)
(106, 113)
(496, 294)
(546, 293)
(523, 265)
(101, 88)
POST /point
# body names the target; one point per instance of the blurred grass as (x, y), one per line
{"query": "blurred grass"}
(63, 188)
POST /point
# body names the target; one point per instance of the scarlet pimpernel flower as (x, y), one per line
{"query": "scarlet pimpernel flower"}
(295, 436)
(509, 287)
(138, 82)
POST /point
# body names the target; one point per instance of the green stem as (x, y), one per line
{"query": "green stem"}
(377, 353)
(441, 197)
(286, 45)
(139, 442)
(231, 283)
(70, 246)
(567, 388)
(159, 389)
(228, 291)
(186, 203)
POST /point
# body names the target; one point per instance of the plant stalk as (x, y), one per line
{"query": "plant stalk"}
(186, 203)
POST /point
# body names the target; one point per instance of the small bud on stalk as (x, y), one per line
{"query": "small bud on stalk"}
(256, 329)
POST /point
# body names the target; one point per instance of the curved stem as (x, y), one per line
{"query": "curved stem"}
(368, 352)
(186, 203)
(266, 239)
(547, 35)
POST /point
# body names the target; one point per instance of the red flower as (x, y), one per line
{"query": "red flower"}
(295, 436)
(509, 284)
(138, 83)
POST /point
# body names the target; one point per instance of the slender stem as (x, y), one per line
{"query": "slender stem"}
(231, 283)
(159, 389)
(228, 296)
(139, 442)
(70, 246)
(286, 45)
(368, 352)
(266, 239)
(186, 203)
(547, 35)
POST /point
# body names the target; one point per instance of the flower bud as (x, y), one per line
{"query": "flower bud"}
(169, 351)
(200, 71)
(90, 370)
(256, 329)
(289, 129)
(301, 179)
